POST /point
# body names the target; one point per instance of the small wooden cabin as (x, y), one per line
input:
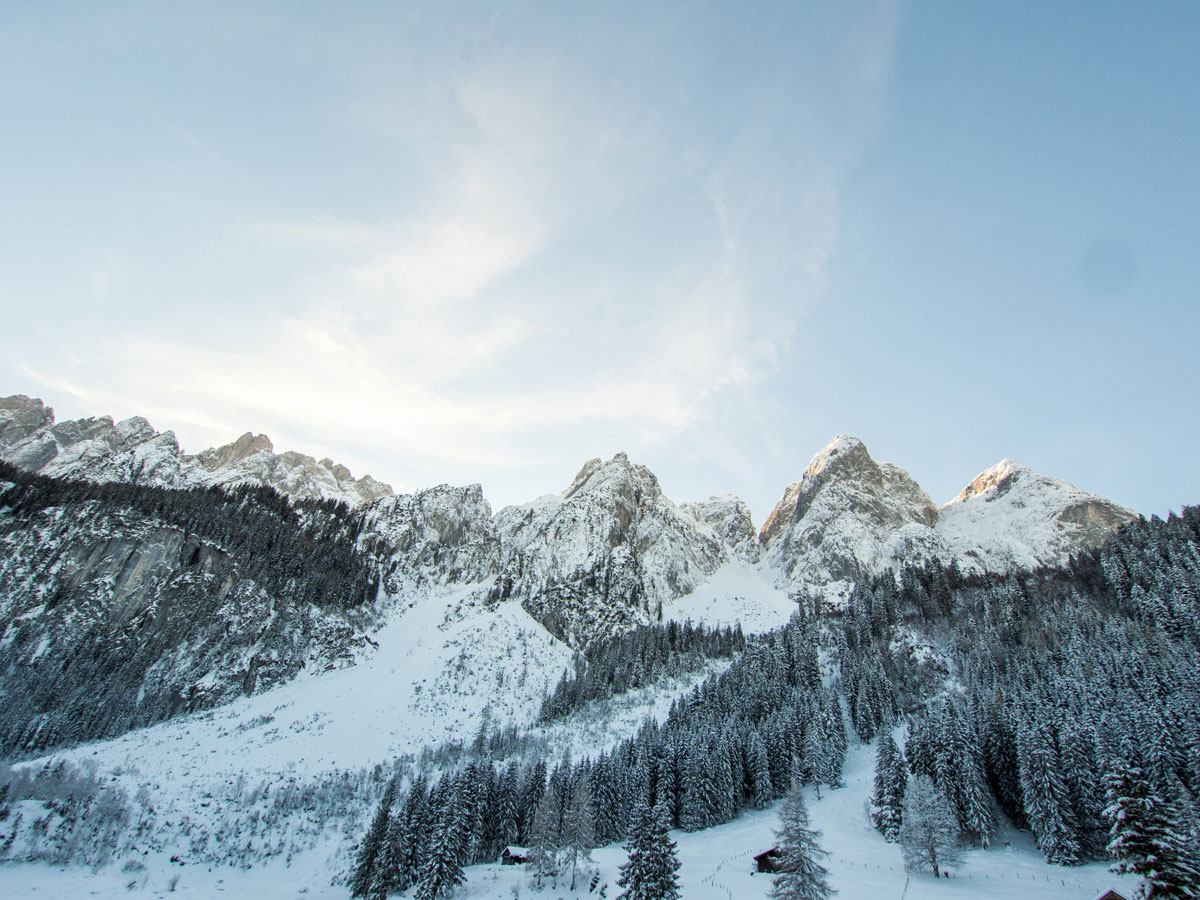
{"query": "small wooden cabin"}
(513, 856)
(768, 860)
(1110, 895)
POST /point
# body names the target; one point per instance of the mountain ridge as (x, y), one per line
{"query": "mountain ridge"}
(610, 551)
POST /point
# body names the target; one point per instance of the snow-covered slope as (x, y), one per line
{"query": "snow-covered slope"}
(101, 450)
(604, 555)
(1010, 516)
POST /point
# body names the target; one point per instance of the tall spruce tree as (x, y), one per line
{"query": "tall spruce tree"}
(368, 851)
(650, 873)
(543, 839)
(801, 875)
(441, 870)
(1147, 837)
(891, 778)
(1047, 800)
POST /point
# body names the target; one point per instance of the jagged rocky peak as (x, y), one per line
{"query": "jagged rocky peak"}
(603, 555)
(880, 488)
(247, 445)
(21, 416)
(841, 521)
(729, 519)
(99, 449)
(1010, 515)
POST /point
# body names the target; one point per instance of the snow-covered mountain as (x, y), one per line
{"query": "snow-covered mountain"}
(1010, 517)
(247, 658)
(843, 519)
(193, 601)
(603, 555)
(851, 517)
(101, 450)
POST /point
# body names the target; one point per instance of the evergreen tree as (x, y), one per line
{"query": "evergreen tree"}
(441, 870)
(891, 778)
(1147, 838)
(368, 851)
(391, 871)
(758, 771)
(651, 870)
(801, 876)
(1047, 801)
(929, 832)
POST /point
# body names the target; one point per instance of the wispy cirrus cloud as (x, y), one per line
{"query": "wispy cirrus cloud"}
(591, 258)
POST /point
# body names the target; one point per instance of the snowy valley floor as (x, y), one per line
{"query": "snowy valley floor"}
(716, 865)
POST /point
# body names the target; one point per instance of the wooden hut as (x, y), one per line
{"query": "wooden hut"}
(513, 856)
(768, 860)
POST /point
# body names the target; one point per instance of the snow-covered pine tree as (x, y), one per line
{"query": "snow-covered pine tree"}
(535, 787)
(1047, 801)
(825, 744)
(508, 808)
(929, 832)
(579, 832)
(391, 872)
(961, 774)
(368, 851)
(441, 870)
(1148, 838)
(758, 771)
(801, 875)
(1078, 760)
(651, 870)
(891, 778)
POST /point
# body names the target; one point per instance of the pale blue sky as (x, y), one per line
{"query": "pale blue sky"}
(487, 241)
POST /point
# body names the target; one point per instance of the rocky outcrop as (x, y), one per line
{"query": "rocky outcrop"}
(21, 416)
(728, 517)
(604, 555)
(102, 450)
(444, 534)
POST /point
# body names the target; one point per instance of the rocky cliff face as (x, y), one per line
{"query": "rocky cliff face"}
(604, 555)
(110, 620)
(728, 517)
(101, 450)
(443, 535)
